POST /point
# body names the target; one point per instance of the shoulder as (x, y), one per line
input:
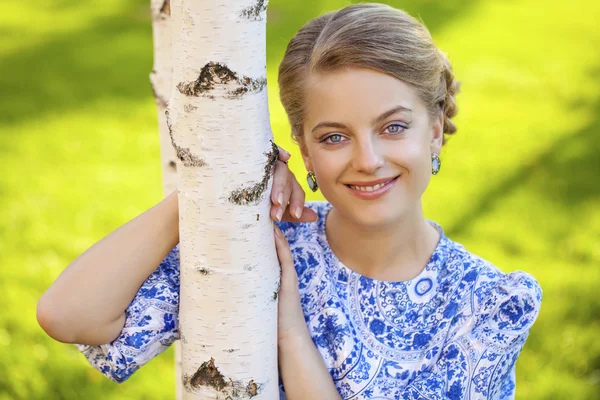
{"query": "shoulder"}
(506, 302)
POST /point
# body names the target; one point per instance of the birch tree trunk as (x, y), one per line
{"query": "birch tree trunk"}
(161, 80)
(219, 127)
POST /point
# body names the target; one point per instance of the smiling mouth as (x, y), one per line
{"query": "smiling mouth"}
(374, 187)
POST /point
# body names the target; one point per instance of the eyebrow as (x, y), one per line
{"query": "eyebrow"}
(380, 118)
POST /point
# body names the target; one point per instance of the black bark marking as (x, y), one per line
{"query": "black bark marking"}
(207, 375)
(219, 74)
(166, 8)
(257, 217)
(173, 164)
(254, 12)
(249, 85)
(189, 108)
(204, 271)
(252, 194)
(231, 350)
(184, 154)
(276, 292)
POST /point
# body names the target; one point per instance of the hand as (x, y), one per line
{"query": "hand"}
(290, 317)
(287, 189)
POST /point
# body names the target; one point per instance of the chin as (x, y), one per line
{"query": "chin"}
(377, 215)
(374, 213)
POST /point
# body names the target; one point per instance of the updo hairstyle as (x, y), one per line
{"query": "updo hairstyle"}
(374, 36)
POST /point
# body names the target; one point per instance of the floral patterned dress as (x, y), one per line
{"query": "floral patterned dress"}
(453, 332)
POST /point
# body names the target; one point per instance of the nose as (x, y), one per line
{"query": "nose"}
(368, 156)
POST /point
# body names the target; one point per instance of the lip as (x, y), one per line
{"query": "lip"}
(371, 183)
(376, 193)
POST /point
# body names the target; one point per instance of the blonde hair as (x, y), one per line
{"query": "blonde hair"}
(374, 36)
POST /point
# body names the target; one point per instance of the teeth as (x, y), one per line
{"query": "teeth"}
(368, 188)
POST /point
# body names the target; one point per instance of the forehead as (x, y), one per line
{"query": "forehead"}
(356, 94)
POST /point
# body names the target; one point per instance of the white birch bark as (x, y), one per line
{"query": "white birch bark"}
(161, 80)
(219, 124)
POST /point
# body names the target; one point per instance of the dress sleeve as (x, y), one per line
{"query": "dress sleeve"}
(151, 325)
(479, 361)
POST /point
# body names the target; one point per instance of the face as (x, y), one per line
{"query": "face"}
(361, 127)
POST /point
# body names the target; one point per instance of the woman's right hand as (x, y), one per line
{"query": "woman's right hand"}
(287, 189)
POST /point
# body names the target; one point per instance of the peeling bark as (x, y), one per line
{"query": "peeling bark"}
(252, 389)
(208, 375)
(165, 9)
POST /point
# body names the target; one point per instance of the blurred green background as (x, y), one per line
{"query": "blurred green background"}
(519, 185)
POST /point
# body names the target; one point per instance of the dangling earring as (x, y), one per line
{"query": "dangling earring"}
(436, 164)
(312, 181)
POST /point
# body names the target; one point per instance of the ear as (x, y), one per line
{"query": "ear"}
(437, 134)
(306, 157)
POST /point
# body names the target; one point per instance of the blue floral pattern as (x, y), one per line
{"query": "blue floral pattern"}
(453, 332)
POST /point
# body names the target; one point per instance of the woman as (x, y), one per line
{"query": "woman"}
(380, 304)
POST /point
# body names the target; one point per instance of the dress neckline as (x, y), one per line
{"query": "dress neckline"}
(435, 262)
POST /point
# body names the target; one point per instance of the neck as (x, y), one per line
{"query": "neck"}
(397, 251)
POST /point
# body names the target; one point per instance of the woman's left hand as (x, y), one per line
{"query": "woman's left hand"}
(287, 189)
(291, 325)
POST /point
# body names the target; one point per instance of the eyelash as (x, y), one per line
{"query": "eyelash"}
(403, 126)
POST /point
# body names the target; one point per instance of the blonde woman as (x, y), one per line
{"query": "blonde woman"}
(376, 301)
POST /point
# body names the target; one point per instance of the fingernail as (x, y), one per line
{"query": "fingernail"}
(298, 212)
(279, 214)
(280, 198)
(284, 152)
(277, 232)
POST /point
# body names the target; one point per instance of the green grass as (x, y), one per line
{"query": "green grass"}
(519, 183)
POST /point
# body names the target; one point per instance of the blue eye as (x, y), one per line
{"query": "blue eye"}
(337, 136)
(396, 128)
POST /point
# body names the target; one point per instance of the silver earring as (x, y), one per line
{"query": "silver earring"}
(312, 181)
(436, 164)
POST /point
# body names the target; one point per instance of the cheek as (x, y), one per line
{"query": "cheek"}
(327, 165)
(413, 156)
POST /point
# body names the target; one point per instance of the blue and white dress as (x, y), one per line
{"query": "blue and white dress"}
(453, 332)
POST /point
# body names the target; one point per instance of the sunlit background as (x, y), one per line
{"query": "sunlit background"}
(519, 185)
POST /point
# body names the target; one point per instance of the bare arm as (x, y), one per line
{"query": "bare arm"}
(303, 371)
(302, 368)
(87, 303)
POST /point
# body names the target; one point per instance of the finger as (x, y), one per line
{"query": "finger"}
(283, 250)
(297, 198)
(280, 178)
(283, 155)
(308, 215)
(278, 211)
(287, 191)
